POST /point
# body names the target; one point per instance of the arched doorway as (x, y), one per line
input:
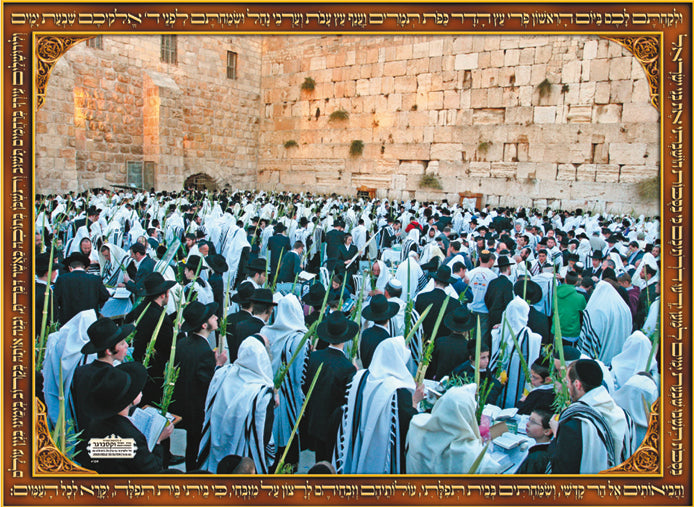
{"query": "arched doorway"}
(200, 181)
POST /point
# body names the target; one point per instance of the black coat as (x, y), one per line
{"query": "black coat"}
(290, 267)
(435, 297)
(232, 343)
(538, 323)
(536, 461)
(324, 408)
(197, 363)
(334, 239)
(346, 254)
(217, 285)
(449, 352)
(78, 291)
(246, 328)
(537, 398)
(499, 294)
(370, 338)
(144, 462)
(145, 268)
(276, 244)
(162, 349)
(83, 380)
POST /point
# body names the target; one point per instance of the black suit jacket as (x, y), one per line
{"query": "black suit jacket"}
(83, 380)
(197, 363)
(78, 291)
(276, 244)
(144, 462)
(449, 352)
(145, 268)
(538, 323)
(346, 254)
(291, 265)
(217, 285)
(333, 240)
(370, 338)
(232, 343)
(435, 297)
(162, 350)
(323, 410)
(499, 294)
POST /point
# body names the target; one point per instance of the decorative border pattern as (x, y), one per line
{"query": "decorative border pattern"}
(646, 459)
(49, 49)
(646, 49)
(49, 460)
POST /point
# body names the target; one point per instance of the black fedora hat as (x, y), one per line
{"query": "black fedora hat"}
(76, 257)
(195, 263)
(118, 387)
(42, 263)
(337, 328)
(533, 291)
(278, 227)
(104, 334)
(217, 263)
(443, 275)
(503, 261)
(154, 284)
(459, 320)
(315, 295)
(597, 254)
(244, 293)
(262, 296)
(196, 314)
(258, 265)
(380, 309)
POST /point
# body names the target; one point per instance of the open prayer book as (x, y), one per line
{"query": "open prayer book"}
(151, 423)
(498, 414)
(305, 276)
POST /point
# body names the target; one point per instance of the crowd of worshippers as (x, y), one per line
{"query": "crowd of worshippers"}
(237, 279)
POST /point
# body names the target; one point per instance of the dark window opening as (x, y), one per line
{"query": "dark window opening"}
(232, 59)
(169, 54)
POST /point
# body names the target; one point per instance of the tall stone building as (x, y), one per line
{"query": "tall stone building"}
(555, 120)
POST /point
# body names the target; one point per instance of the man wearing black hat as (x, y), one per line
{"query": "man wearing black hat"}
(323, 412)
(277, 245)
(218, 265)
(595, 271)
(450, 351)
(242, 298)
(379, 311)
(314, 298)
(77, 290)
(531, 292)
(155, 291)
(40, 283)
(256, 272)
(263, 305)
(291, 266)
(107, 341)
(197, 363)
(192, 271)
(144, 265)
(499, 291)
(334, 239)
(113, 394)
(436, 297)
(591, 432)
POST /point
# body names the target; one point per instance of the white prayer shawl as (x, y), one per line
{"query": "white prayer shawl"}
(630, 398)
(448, 440)
(383, 276)
(584, 251)
(546, 283)
(369, 439)
(359, 236)
(264, 237)
(74, 244)
(448, 289)
(235, 410)
(516, 317)
(203, 291)
(607, 323)
(409, 287)
(633, 358)
(652, 324)
(600, 400)
(284, 336)
(233, 245)
(112, 272)
(649, 260)
(64, 347)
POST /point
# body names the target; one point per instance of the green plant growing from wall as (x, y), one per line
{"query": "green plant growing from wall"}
(649, 189)
(356, 148)
(565, 88)
(430, 181)
(483, 146)
(339, 115)
(544, 88)
(308, 85)
(291, 144)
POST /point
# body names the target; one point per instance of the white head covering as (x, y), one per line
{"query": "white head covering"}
(606, 325)
(375, 446)
(649, 260)
(415, 273)
(285, 335)
(235, 409)
(630, 398)
(383, 275)
(448, 441)
(119, 257)
(632, 359)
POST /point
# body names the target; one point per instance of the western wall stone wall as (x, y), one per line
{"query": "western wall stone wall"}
(106, 107)
(469, 110)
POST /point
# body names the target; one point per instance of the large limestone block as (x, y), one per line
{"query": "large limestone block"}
(466, 61)
(636, 173)
(607, 173)
(627, 153)
(447, 151)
